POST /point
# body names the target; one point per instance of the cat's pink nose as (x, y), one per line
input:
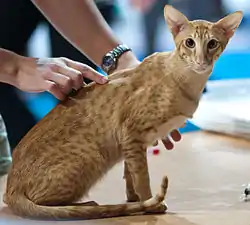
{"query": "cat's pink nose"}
(200, 62)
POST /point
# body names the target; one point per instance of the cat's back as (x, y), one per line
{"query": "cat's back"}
(88, 107)
(91, 106)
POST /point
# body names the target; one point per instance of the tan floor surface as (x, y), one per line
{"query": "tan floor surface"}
(206, 173)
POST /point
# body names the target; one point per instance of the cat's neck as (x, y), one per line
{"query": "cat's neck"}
(191, 83)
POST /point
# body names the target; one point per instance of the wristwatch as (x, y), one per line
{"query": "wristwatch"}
(109, 61)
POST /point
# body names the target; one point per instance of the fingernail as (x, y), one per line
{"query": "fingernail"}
(104, 80)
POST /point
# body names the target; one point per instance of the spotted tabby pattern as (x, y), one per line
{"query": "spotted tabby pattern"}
(78, 142)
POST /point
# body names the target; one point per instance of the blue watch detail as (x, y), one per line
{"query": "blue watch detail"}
(109, 61)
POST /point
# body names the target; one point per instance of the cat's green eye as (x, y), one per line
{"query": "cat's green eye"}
(212, 44)
(190, 43)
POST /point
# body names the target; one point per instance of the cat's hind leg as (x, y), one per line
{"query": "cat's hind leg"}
(58, 184)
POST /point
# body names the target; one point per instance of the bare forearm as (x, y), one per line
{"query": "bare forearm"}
(8, 66)
(82, 24)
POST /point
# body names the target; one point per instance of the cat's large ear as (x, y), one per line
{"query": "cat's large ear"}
(230, 23)
(175, 19)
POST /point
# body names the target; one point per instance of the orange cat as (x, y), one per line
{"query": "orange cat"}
(78, 142)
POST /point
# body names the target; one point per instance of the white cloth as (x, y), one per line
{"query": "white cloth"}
(225, 108)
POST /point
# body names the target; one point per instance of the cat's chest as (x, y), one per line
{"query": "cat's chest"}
(164, 129)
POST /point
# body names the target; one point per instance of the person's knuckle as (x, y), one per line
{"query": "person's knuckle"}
(51, 87)
(63, 58)
(78, 76)
(75, 75)
(84, 68)
(46, 74)
(54, 67)
(68, 82)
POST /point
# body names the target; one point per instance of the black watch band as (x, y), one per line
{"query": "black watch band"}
(109, 61)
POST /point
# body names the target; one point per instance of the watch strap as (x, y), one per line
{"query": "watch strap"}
(119, 50)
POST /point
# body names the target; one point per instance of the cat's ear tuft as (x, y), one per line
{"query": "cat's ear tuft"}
(175, 19)
(230, 23)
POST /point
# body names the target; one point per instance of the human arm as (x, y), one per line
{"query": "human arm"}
(55, 75)
(81, 23)
(8, 67)
(86, 29)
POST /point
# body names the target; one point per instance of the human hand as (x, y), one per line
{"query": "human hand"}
(175, 136)
(55, 75)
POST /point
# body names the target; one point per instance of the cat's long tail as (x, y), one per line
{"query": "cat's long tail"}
(24, 207)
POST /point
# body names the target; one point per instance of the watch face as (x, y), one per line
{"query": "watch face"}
(108, 61)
